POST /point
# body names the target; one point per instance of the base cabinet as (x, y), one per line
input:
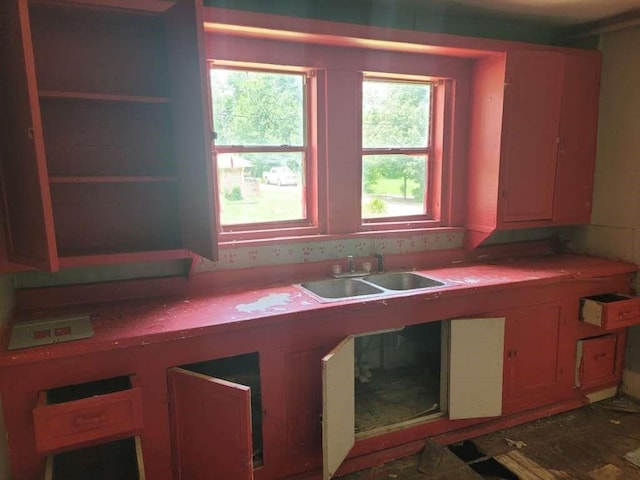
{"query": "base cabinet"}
(538, 356)
(211, 419)
(358, 384)
(448, 369)
(599, 360)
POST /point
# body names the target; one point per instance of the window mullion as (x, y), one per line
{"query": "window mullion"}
(396, 151)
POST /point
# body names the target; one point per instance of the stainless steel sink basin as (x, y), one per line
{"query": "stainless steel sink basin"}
(403, 281)
(380, 284)
(341, 288)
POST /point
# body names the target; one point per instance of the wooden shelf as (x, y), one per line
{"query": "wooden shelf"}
(81, 260)
(100, 97)
(112, 179)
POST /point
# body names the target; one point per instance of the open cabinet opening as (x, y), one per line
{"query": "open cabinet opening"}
(407, 376)
(397, 377)
(242, 370)
(121, 459)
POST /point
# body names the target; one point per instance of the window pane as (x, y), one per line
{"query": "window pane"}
(257, 108)
(395, 114)
(393, 185)
(261, 187)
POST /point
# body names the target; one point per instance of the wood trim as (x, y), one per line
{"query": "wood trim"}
(133, 257)
(279, 27)
(112, 179)
(509, 421)
(102, 97)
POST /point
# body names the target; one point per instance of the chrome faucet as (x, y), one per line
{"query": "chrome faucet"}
(351, 265)
(380, 258)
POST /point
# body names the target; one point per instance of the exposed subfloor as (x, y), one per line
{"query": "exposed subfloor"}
(584, 444)
(395, 396)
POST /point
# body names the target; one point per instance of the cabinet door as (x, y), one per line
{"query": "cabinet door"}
(25, 182)
(539, 354)
(211, 427)
(475, 367)
(533, 92)
(578, 132)
(338, 411)
(192, 126)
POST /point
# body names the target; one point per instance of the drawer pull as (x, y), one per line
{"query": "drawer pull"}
(626, 314)
(91, 419)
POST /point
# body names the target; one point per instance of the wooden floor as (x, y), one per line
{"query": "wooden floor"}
(395, 396)
(584, 444)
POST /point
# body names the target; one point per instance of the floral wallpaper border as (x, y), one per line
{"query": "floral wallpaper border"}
(236, 257)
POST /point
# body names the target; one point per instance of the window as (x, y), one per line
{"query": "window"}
(396, 141)
(260, 118)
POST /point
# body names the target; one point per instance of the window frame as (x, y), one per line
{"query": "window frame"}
(335, 208)
(269, 229)
(379, 223)
(440, 178)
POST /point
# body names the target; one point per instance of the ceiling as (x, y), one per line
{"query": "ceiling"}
(560, 12)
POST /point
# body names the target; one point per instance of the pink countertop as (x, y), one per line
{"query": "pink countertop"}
(138, 322)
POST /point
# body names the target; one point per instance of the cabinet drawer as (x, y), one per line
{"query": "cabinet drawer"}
(596, 360)
(610, 311)
(121, 459)
(79, 415)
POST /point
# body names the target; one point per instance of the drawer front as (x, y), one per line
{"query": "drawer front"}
(623, 313)
(83, 421)
(598, 362)
(618, 311)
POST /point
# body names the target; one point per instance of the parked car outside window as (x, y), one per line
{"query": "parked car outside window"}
(280, 176)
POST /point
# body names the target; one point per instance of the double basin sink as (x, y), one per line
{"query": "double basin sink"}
(337, 289)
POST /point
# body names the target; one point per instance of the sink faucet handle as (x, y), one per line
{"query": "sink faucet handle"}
(380, 258)
(351, 264)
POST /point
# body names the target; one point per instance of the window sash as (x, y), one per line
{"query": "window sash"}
(266, 229)
(425, 219)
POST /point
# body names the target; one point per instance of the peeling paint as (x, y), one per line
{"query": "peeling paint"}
(471, 280)
(264, 303)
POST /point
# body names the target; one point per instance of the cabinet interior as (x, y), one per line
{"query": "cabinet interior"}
(243, 370)
(69, 393)
(108, 128)
(398, 376)
(107, 461)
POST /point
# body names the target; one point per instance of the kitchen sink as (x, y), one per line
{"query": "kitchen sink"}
(372, 285)
(403, 281)
(340, 288)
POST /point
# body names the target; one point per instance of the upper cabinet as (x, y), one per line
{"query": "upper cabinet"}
(533, 134)
(108, 152)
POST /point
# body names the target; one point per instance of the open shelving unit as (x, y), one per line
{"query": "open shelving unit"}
(118, 134)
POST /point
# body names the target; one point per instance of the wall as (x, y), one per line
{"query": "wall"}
(615, 229)
(399, 14)
(6, 306)
(437, 17)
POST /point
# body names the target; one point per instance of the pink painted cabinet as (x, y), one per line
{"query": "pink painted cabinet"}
(538, 356)
(533, 134)
(107, 154)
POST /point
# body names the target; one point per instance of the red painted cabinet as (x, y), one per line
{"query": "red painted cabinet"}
(107, 156)
(539, 353)
(531, 115)
(211, 427)
(577, 139)
(532, 145)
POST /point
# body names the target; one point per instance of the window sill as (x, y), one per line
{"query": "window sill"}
(300, 236)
